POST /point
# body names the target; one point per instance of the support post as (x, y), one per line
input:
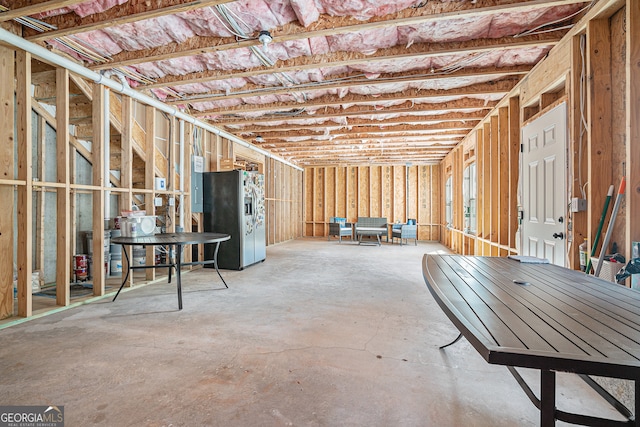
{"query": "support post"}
(632, 229)
(24, 256)
(7, 144)
(98, 160)
(599, 118)
(63, 204)
(149, 179)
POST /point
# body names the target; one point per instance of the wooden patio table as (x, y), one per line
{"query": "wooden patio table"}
(545, 317)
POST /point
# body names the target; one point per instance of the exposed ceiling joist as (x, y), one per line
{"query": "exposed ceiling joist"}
(360, 132)
(329, 26)
(19, 8)
(135, 10)
(352, 84)
(347, 59)
(358, 80)
(497, 87)
(358, 110)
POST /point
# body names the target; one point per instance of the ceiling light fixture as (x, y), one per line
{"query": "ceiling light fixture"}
(259, 138)
(265, 38)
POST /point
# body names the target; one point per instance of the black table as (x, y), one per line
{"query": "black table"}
(558, 320)
(177, 240)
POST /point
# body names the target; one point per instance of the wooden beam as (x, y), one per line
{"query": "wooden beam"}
(391, 131)
(514, 168)
(31, 7)
(7, 145)
(63, 202)
(149, 178)
(577, 148)
(495, 197)
(135, 10)
(24, 256)
(330, 26)
(486, 151)
(98, 211)
(632, 228)
(41, 196)
(354, 80)
(599, 119)
(503, 176)
(409, 108)
(498, 87)
(347, 59)
(480, 200)
(126, 171)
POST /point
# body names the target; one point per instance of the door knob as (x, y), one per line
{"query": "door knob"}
(558, 235)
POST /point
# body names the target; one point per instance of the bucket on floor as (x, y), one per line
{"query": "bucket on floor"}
(89, 239)
(107, 265)
(116, 263)
(139, 257)
(80, 266)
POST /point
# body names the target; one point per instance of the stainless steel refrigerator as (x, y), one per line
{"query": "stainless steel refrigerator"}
(233, 203)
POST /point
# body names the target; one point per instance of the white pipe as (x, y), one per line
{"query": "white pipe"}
(50, 57)
(181, 173)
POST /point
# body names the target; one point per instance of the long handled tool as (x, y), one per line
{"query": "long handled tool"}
(600, 224)
(612, 221)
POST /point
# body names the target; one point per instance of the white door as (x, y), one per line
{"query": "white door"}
(543, 175)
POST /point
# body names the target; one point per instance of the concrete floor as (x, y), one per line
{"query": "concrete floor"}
(321, 334)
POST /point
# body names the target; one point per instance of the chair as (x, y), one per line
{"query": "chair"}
(340, 229)
(406, 232)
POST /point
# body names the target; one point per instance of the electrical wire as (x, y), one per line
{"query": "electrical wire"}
(583, 120)
(546, 24)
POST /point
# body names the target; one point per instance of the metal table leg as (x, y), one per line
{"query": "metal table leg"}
(451, 343)
(178, 280)
(215, 264)
(126, 276)
(637, 406)
(547, 398)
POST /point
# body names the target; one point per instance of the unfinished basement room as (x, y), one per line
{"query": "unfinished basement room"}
(382, 213)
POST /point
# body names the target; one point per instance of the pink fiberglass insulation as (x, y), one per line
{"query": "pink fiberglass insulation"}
(83, 9)
(494, 26)
(367, 42)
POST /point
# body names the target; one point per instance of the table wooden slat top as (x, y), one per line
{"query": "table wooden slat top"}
(561, 320)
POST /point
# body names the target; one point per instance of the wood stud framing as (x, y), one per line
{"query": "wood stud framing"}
(131, 145)
(598, 118)
(341, 191)
(495, 148)
(63, 210)
(7, 137)
(632, 231)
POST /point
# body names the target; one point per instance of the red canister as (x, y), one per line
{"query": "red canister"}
(80, 267)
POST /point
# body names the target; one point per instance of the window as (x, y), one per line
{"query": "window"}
(469, 195)
(448, 202)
